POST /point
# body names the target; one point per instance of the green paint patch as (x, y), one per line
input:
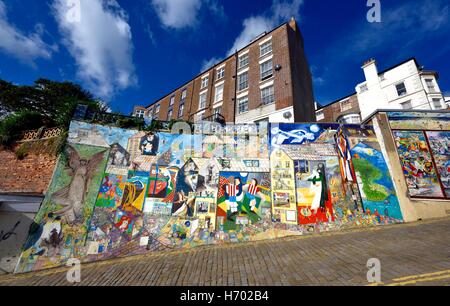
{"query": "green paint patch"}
(369, 175)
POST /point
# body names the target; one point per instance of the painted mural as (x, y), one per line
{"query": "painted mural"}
(61, 225)
(329, 177)
(122, 192)
(418, 169)
(440, 148)
(419, 120)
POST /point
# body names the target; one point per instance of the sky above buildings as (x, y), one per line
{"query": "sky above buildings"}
(132, 52)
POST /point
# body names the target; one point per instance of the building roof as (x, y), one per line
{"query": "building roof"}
(336, 101)
(219, 63)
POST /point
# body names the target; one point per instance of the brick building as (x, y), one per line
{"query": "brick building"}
(344, 110)
(268, 80)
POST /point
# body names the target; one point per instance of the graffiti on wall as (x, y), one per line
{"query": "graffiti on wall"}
(121, 192)
(419, 120)
(417, 163)
(330, 176)
(61, 225)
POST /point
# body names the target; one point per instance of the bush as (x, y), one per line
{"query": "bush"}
(13, 125)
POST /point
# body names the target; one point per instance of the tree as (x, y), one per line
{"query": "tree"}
(55, 101)
(44, 104)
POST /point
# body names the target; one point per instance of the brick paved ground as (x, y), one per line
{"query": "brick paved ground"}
(410, 254)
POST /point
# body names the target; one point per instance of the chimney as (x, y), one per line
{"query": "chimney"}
(293, 24)
(370, 72)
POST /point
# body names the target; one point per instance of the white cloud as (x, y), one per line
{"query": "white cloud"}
(26, 48)
(100, 42)
(253, 26)
(280, 11)
(209, 63)
(177, 14)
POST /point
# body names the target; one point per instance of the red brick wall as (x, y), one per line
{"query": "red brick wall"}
(32, 175)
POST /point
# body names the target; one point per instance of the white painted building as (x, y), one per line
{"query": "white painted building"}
(404, 86)
(447, 101)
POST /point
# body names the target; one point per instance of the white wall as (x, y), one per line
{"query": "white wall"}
(266, 112)
(382, 92)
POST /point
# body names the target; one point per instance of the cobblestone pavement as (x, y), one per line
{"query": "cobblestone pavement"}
(410, 254)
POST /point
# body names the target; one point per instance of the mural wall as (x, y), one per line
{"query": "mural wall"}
(423, 141)
(121, 192)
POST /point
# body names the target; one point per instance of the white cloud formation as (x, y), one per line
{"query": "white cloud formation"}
(209, 63)
(177, 14)
(26, 48)
(253, 26)
(99, 39)
(280, 11)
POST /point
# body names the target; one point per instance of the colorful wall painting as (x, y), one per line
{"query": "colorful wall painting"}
(419, 120)
(61, 225)
(440, 149)
(318, 178)
(151, 192)
(417, 164)
(372, 174)
(243, 199)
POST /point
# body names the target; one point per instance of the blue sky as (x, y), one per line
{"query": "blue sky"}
(130, 52)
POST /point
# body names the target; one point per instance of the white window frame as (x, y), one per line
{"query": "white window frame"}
(219, 97)
(181, 110)
(140, 113)
(265, 47)
(271, 95)
(169, 114)
(397, 89)
(205, 81)
(435, 101)
(172, 100)
(246, 83)
(184, 94)
(201, 102)
(320, 115)
(220, 73)
(430, 85)
(239, 101)
(405, 103)
(261, 72)
(247, 62)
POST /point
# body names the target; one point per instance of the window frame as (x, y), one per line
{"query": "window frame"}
(240, 60)
(220, 73)
(216, 100)
(406, 102)
(204, 83)
(264, 46)
(200, 102)
(262, 73)
(181, 110)
(246, 82)
(401, 94)
(239, 103)
(272, 94)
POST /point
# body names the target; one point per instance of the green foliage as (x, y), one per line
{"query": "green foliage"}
(12, 126)
(154, 126)
(130, 122)
(55, 101)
